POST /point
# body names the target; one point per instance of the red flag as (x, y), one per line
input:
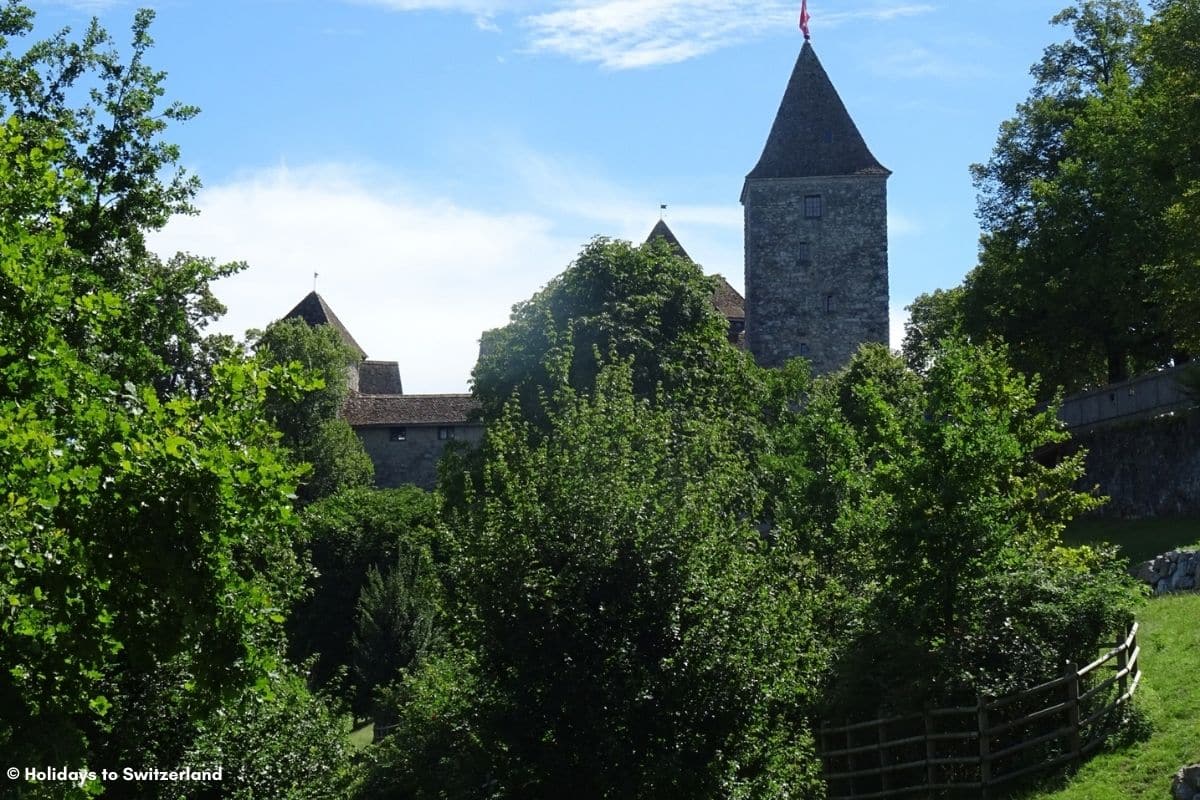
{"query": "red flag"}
(804, 19)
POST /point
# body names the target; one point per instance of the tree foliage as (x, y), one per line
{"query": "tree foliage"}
(134, 529)
(939, 475)
(393, 624)
(106, 109)
(623, 629)
(345, 537)
(308, 420)
(1088, 256)
(644, 303)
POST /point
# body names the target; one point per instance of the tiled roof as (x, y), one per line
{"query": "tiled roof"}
(813, 134)
(379, 377)
(408, 409)
(315, 311)
(661, 231)
(727, 300)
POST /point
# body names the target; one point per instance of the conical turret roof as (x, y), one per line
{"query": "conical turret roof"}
(662, 231)
(315, 311)
(813, 134)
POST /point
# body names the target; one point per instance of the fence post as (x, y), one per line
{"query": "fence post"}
(930, 748)
(1122, 663)
(985, 757)
(1072, 678)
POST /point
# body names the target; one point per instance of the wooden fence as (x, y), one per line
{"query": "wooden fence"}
(978, 748)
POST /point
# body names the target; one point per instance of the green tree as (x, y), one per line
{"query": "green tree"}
(308, 420)
(622, 627)
(134, 530)
(940, 475)
(106, 109)
(344, 537)
(1171, 172)
(1060, 273)
(933, 317)
(615, 300)
(393, 625)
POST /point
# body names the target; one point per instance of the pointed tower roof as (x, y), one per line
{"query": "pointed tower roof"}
(315, 311)
(661, 231)
(726, 298)
(813, 134)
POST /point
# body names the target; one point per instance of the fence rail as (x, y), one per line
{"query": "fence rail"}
(983, 746)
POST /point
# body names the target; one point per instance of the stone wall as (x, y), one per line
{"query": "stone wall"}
(815, 287)
(1176, 571)
(412, 459)
(1146, 395)
(1149, 468)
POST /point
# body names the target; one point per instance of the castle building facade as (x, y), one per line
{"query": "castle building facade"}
(816, 269)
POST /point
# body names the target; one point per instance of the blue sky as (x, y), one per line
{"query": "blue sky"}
(437, 161)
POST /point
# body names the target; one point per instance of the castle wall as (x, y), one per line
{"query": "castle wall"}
(825, 306)
(1149, 468)
(413, 460)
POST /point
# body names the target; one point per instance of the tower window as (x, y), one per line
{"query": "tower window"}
(804, 253)
(397, 434)
(828, 303)
(445, 432)
(804, 349)
(812, 206)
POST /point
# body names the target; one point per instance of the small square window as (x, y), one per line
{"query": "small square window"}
(804, 253)
(804, 348)
(397, 434)
(445, 432)
(812, 206)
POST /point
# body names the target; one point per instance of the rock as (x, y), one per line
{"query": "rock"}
(1145, 573)
(1186, 785)
(1162, 587)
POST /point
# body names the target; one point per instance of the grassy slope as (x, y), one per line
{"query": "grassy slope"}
(1140, 540)
(1170, 695)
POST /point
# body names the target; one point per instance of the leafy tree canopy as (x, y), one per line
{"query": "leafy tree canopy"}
(1088, 258)
(616, 300)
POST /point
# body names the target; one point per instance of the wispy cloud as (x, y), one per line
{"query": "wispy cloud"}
(911, 60)
(627, 34)
(632, 34)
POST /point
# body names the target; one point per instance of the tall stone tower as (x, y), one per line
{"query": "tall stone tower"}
(816, 231)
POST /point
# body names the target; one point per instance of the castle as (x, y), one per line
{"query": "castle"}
(816, 270)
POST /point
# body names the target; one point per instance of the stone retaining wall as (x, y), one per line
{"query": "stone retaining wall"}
(1176, 571)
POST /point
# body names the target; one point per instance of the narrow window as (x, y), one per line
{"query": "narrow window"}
(445, 432)
(828, 303)
(804, 253)
(397, 434)
(804, 349)
(812, 206)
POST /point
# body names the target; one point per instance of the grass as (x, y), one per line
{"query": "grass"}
(361, 738)
(1169, 696)
(1140, 540)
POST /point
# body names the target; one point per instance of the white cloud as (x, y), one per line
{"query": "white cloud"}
(415, 279)
(901, 224)
(631, 34)
(897, 317)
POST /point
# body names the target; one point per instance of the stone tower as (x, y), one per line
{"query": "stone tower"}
(816, 231)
